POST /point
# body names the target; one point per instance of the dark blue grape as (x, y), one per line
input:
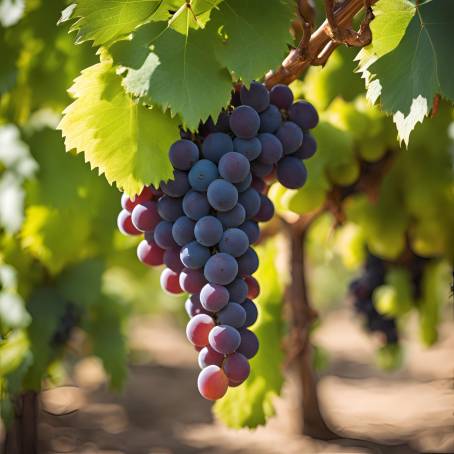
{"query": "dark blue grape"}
(177, 187)
(307, 149)
(191, 280)
(281, 96)
(250, 199)
(260, 169)
(183, 230)
(244, 122)
(250, 148)
(183, 154)
(221, 269)
(251, 313)
(233, 315)
(222, 195)
(238, 290)
(234, 242)
(256, 96)
(163, 235)
(214, 297)
(216, 145)
(202, 174)
(245, 184)
(193, 255)
(248, 263)
(266, 211)
(291, 136)
(303, 114)
(224, 339)
(272, 149)
(270, 119)
(233, 217)
(291, 172)
(252, 230)
(208, 231)
(233, 167)
(170, 208)
(195, 205)
(249, 344)
(172, 259)
(222, 124)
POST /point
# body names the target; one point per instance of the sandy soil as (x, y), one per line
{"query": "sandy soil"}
(160, 411)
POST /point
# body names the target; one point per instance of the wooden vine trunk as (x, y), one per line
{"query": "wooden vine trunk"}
(22, 435)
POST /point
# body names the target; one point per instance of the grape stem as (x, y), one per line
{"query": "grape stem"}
(335, 30)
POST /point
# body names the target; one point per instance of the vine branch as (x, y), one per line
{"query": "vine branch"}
(335, 30)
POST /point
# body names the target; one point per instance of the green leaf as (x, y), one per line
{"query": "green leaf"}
(254, 36)
(199, 86)
(13, 350)
(128, 142)
(102, 21)
(250, 404)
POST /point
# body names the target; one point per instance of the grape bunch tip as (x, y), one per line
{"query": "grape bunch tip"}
(202, 224)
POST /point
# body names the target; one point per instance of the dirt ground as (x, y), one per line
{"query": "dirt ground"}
(160, 411)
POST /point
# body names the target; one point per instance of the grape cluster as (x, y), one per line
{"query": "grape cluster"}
(361, 290)
(201, 225)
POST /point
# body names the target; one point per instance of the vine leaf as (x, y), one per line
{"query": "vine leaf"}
(255, 36)
(102, 21)
(128, 142)
(251, 404)
(418, 68)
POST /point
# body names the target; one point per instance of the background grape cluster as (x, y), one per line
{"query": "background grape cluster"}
(202, 224)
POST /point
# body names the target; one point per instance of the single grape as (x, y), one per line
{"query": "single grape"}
(169, 281)
(193, 307)
(170, 208)
(291, 172)
(150, 253)
(248, 263)
(256, 96)
(237, 368)
(222, 195)
(291, 136)
(234, 242)
(208, 357)
(221, 269)
(244, 184)
(252, 230)
(272, 149)
(178, 186)
(233, 167)
(224, 339)
(208, 231)
(212, 383)
(233, 217)
(266, 211)
(214, 297)
(270, 119)
(244, 122)
(147, 194)
(172, 260)
(281, 96)
(192, 281)
(145, 216)
(183, 154)
(238, 290)
(198, 329)
(307, 149)
(250, 199)
(163, 235)
(233, 315)
(250, 148)
(260, 169)
(195, 205)
(216, 145)
(183, 230)
(251, 313)
(125, 225)
(193, 255)
(303, 114)
(249, 345)
(253, 287)
(202, 174)
(126, 203)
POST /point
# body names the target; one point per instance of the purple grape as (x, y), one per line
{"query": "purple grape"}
(222, 123)
(193, 255)
(221, 269)
(244, 184)
(224, 339)
(272, 149)
(307, 149)
(208, 231)
(250, 199)
(183, 230)
(270, 119)
(183, 154)
(170, 208)
(238, 290)
(244, 122)
(212, 383)
(252, 230)
(192, 281)
(208, 357)
(291, 172)
(172, 260)
(237, 368)
(178, 186)
(222, 195)
(250, 148)
(163, 235)
(291, 136)
(214, 297)
(249, 345)
(281, 96)
(248, 263)
(233, 315)
(266, 211)
(198, 329)
(256, 96)
(216, 145)
(195, 205)
(193, 307)
(260, 169)
(125, 225)
(202, 174)
(234, 242)
(145, 216)
(251, 313)
(233, 217)
(233, 167)
(303, 114)
(149, 253)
